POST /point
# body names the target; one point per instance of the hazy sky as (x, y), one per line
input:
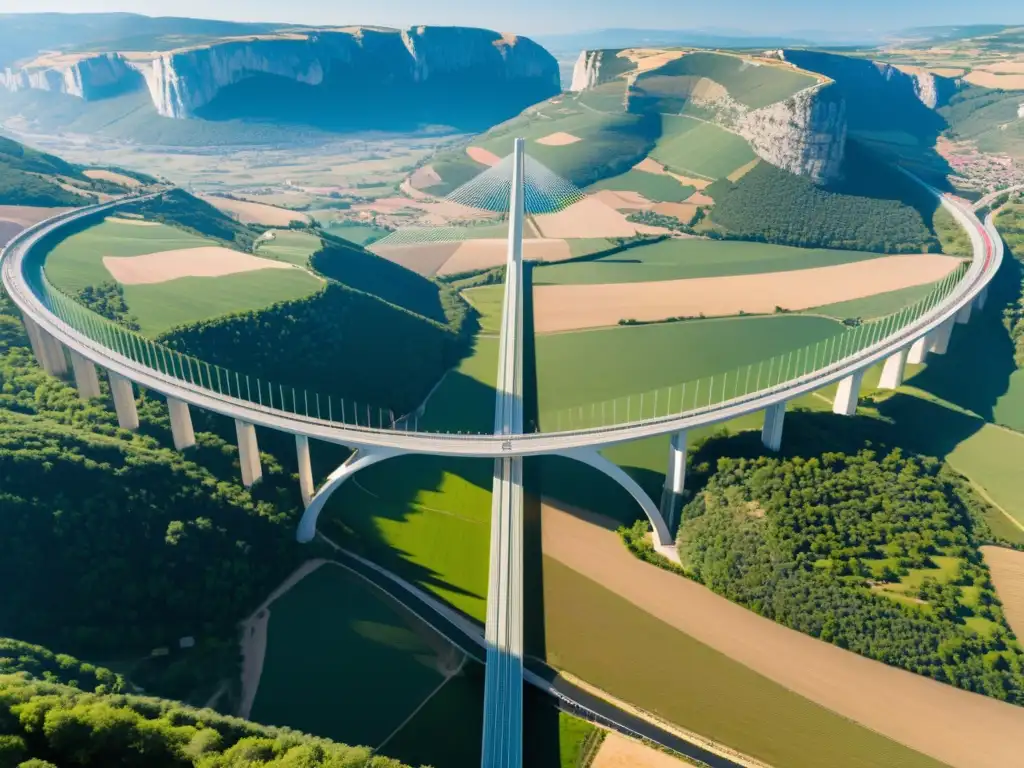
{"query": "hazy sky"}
(557, 16)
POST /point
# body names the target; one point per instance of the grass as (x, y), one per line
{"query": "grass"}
(584, 367)
(677, 259)
(685, 682)
(688, 145)
(290, 245)
(879, 305)
(77, 262)
(162, 306)
(653, 186)
(487, 300)
(360, 234)
(334, 643)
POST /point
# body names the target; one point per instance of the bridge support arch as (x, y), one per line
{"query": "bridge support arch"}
(363, 458)
(663, 540)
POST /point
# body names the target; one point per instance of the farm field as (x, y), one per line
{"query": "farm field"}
(689, 145)
(360, 234)
(724, 700)
(660, 188)
(487, 300)
(334, 633)
(572, 307)
(879, 305)
(687, 258)
(584, 367)
(77, 262)
(1007, 567)
(291, 246)
(255, 213)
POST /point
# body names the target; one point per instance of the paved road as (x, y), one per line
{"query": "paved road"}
(468, 637)
(18, 285)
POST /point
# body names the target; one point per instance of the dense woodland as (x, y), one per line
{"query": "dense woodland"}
(810, 542)
(1011, 226)
(48, 725)
(875, 208)
(180, 209)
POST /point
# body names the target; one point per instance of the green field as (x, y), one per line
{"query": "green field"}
(77, 262)
(677, 259)
(584, 367)
(879, 305)
(653, 186)
(290, 245)
(487, 300)
(675, 677)
(360, 234)
(689, 145)
(334, 643)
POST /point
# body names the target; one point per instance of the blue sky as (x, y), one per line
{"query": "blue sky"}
(559, 16)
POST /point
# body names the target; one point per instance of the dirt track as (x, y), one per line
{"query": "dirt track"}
(206, 261)
(962, 729)
(574, 307)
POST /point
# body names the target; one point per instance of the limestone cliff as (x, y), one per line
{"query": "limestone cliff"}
(805, 134)
(184, 81)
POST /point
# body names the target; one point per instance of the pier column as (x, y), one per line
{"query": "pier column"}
(181, 424)
(36, 342)
(675, 479)
(124, 401)
(919, 351)
(848, 394)
(55, 353)
(940, 337)
(982, 299)
(963, 317)
(305, 469)
(771, 434)
(248, 453)
(895, 369)
(48, 351)
(87, 381)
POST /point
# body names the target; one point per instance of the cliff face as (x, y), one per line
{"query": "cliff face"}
(805, 134)
(183, 82)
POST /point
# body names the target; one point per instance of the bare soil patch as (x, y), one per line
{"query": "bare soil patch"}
(956, 727)
(1007, 566)
(132, 222)
(653, 166)
(947, 71)
(619, 752)
(647, 59)
(682, 211)
(482, 156)
(574, 307)
(699, 198)
(484, 254)
(255, 213)
(207, 261)
(1013, 82)
(590, 217)
(622, 200)
(423, 259)
(425, 177)
(27, 215)
(743, 170)
(113, 177)
(1006, 68)
(559, 139)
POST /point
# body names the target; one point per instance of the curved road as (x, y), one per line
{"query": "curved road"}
(984, 265)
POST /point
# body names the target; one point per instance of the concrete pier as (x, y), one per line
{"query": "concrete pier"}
(774, 419)
(895, 369)
(48, 351)
(963, 317)
(919, 351)
(181, 424)
(675, 480)
(940, 337)
(305, 469)
(87, 381)
(248, 453)
(124, 401)
(848, 394)
(982, 299)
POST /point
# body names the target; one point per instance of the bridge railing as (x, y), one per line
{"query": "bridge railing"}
(758, 377)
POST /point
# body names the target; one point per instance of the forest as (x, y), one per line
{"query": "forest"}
(825, 545)
(340, 342)
(180, 209)
(49, 725)
(875, 208)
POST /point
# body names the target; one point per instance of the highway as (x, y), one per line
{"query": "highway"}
(503, 688)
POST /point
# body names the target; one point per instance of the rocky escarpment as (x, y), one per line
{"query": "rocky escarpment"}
(435, 59)
(805, 134)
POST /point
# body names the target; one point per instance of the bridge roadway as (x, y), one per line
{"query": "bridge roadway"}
(503, 682)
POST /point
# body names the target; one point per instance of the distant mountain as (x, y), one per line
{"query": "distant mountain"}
(634, 38)
(948, 33)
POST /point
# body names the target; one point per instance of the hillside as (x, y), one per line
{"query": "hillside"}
(28, 177)
(331, 78)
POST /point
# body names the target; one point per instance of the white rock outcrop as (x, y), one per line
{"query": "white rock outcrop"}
(587, 71)
(805, 134)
